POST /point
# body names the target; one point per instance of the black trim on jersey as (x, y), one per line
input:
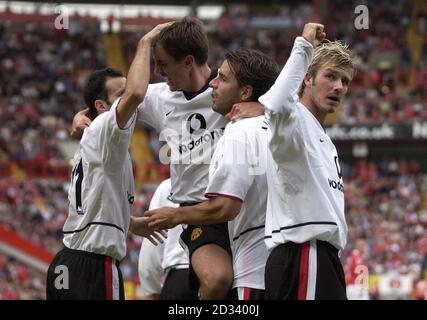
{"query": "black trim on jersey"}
(247, 230)
(266, 125)
(191, 95)
(301, 225)
(79, 173)
(91, 223)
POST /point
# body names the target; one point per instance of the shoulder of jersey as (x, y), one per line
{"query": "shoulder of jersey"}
(165, 185)
(246, 127)
(248, 123)
(97, 121)
(160, 86)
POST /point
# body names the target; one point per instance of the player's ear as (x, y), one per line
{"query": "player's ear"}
(308, 79)
(189, 61)
(246, 92)
(101, 106)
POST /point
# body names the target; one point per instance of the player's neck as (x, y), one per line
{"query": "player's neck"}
(308, 102)
(199, 76)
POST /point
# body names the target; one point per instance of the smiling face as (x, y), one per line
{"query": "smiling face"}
(226, 90)
(325, 91)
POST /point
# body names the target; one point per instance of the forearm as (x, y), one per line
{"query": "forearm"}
(138, 76)
(282, 96)
(245, 110)
(212, 211)
(137, 82)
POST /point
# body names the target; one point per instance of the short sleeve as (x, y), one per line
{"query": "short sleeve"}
(150, 111)
(230, 169)
(113, 142)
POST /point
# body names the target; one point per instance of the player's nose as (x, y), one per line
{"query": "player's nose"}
(213, 82)
(338, 86)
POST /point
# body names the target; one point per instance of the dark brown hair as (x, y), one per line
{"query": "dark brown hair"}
(254, 68)
(185, 37)
(95, 88)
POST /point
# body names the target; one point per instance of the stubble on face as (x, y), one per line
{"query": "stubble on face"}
(225, 90)
(329, 88)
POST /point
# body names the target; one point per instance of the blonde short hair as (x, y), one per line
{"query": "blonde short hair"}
(334, 54)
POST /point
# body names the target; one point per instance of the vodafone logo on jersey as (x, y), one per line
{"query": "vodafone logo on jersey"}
(194, 143)
(198, 136)
(337, 184)
(195, 123)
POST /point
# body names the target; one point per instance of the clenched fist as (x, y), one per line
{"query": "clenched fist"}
(313, 33)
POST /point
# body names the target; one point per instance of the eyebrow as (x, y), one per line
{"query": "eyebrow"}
(221, 74)
(331, 70)
(335, 71)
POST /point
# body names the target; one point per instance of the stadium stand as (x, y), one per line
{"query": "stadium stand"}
(386, 197)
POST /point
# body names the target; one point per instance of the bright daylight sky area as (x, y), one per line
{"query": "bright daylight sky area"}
(103, 11)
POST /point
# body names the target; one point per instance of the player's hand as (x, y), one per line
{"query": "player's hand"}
(314, 33)
(155, 31)
(80, 122)
(139, 226)
(163, 218)
(245, 110)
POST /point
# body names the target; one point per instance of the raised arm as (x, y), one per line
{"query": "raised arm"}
(136, 86)
(138, 77)
(282, 96)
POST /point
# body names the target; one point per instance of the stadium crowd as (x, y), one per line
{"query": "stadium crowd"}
(40, 91)
(386, 207)
(18, 282)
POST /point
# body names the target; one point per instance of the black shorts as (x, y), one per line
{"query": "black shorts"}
(176, 286)
(247, 294)
(81, 275)
(304, 271)
(195, 236)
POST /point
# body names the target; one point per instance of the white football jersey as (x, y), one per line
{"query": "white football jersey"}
(238, 170)
(174, 255)
(155, 261)
(150, 272)
(101, 192)
(191, 129)
(306, 193)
